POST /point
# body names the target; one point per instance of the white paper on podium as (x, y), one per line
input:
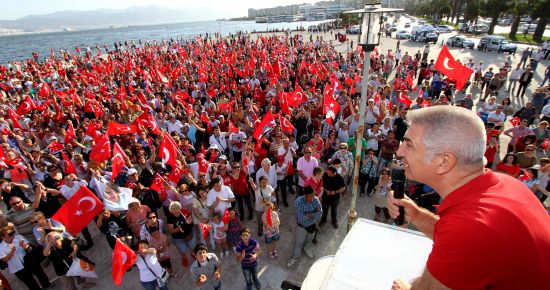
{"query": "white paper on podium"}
(371, 257)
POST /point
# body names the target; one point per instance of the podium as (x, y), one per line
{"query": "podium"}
(371, 257)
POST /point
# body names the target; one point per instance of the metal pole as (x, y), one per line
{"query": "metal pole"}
(352, 214)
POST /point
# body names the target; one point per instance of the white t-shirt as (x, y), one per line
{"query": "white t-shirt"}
(239, 137)
(68, 192)
(218, 230)
(15, 264)
(225, 193)
(499, 117)
(174, 127)
(219, 141)
(306, 167)
(288, 156)
(372, 142)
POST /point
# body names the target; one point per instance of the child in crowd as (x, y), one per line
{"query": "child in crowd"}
(219, 233)
(271, 229)
(234, 228)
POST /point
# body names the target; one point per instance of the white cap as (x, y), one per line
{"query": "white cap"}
(131, 171)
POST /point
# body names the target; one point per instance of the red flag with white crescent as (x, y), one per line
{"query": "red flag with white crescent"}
(448, 66)
(70, 134)
(115, 128)
(79, 211)
(101, 151)
(123, 259)
(118, 160)
(168, 151)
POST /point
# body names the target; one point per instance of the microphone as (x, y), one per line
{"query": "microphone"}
(398, 184)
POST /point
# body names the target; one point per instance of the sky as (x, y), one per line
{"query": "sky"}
(16, 9)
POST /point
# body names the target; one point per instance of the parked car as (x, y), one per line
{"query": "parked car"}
(527, 28)
(426, 33)
(478, 29)
(444, 28)
(353, 29)
(407, 25)
(402, 34)
(496, 43)
(460, 41)
(505, 22)
(393, 27)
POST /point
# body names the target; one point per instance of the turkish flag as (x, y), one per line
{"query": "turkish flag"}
(90, 78)
(158, 183)
(298, 97)
(203, 164)
(527, 175)
(4, 87)
(336, 84)
(146, 120)
(283, 102)
(228, 107)
(123, 259)
(515, 121)
(79, 211)
(118, 160)
(286, 126)
(448, 66)
(409, 80)
(545, 144)
(404, 99)
(14, 119)
(168, 150)
(268, 216)
(55, 147)
(232, 127)
(26, 106)
(176, 174)
(226, 217)
(18, 174)
(331, 107)
(69, 166)
(70, 134)
(205, 229)
(101, 150)
(115, 128)
(425, 104)
(276, 67)
(44, 90)
(267, 122)
(181, 97)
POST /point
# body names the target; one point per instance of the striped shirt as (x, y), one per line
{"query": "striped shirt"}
(303, 207)
(249, 249)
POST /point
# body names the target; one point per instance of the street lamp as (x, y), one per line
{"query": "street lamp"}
(369, 38)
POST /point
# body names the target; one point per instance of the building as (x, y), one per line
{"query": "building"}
(319, 11)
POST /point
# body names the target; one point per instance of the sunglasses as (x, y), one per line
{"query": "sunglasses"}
(307, 152)
(11, 234)
(152, 217)
(237, 167)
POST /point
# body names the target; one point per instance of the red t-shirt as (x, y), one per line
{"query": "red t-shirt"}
(513, 170)
(492, 233)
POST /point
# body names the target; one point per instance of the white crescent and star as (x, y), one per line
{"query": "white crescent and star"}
(86, 198)
(446, 64)
(124, 257)
(166, 155)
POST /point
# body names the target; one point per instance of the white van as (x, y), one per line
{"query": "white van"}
(496, 43)
(424, 33)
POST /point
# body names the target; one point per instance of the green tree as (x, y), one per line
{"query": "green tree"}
(540, 9)
(473, 10)
(493, 9)
(518, 8)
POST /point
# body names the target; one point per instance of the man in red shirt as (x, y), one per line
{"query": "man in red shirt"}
(490, 231)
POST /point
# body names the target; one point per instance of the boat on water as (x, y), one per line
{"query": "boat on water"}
(261, 19)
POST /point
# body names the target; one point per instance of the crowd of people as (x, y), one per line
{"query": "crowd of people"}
(254, 121)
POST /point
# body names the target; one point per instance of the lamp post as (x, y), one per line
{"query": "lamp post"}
(369, 38)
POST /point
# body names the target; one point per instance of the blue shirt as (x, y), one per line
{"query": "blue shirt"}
(302, 207)
(248, 250)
